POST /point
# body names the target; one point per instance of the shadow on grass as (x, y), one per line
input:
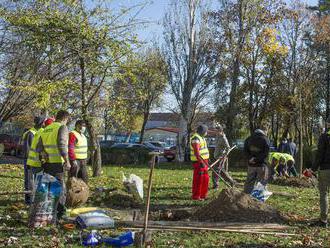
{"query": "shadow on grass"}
(265, 245)
(10, 176)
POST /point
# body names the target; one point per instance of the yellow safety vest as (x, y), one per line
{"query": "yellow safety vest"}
(287, 157)
(32, 130)
(49, 140)
(81, 147)
(204, 151)
(33, 157)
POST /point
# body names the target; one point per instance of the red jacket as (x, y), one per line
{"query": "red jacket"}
(72, 143)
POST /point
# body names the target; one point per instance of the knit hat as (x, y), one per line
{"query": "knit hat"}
(49, 121)
(38, 121)
(202, 129)
(259, 131)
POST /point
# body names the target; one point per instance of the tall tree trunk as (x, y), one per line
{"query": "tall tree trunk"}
(95, 149)
(181, 144)
(232, 109)
(145, 120)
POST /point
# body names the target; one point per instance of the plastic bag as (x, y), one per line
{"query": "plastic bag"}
(46, 197)
(260, 192)
(134, 185)
(126, 239)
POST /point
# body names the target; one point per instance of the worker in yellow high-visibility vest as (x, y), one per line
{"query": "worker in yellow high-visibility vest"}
(53, 147)
(27, 141)
(199, 156)
(34, 160)
(78, 149)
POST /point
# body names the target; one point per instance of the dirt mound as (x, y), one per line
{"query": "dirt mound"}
(77, 192)
(235, 206)
(303, 182)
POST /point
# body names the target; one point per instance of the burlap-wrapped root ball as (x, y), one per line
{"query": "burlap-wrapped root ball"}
(77, 192)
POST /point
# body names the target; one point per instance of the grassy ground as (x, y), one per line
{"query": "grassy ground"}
(171, 188)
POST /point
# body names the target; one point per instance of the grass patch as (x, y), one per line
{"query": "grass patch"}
(171, 188)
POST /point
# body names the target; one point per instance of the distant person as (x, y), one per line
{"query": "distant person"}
(221, 146)
(256, 148)
(291, 148)
(322, 165)
(283, 145)
(78, 149)
(290, 165)
(53, 146)
(27, 142)
(199, 155)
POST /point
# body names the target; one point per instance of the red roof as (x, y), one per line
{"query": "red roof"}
(210, 133)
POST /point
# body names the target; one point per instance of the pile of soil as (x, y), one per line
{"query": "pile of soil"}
(77, 192)
(303, 182)
(234, 206)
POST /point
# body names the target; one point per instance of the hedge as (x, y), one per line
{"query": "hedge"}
(133, 155)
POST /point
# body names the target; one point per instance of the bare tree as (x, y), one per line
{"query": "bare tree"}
(190, 65)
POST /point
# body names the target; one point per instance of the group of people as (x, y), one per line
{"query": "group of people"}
(262, 164)
(256, 148)
(49, 147)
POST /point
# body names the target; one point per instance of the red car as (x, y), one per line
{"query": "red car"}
(170, 153)
(11, 143)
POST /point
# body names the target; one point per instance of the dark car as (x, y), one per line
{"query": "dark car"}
(12, 144)
(107, 143)
(134, 150)
(153, 147)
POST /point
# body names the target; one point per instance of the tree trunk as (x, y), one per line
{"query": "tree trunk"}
(232, 109)
(182, 142)
(145, 120)
(95, 149)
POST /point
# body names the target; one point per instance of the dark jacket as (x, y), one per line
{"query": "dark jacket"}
(291, 148)
(257, 146)
(322, 159)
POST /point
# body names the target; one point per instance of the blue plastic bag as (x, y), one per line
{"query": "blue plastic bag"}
(126, 239)
(260, 192)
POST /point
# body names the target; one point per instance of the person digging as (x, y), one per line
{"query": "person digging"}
(221, 146)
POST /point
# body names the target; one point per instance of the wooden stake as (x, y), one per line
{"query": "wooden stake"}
(182, 228)
(146, 217)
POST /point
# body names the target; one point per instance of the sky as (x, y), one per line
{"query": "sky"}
(154, 11)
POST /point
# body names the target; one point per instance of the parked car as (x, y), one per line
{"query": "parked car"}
(158, 144)
(12, 144)
(170, 153)
(154, 147)
(107, 143)
(135, 149)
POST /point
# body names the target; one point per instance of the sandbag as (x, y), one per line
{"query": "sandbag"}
(77, 192)
(95, 219)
